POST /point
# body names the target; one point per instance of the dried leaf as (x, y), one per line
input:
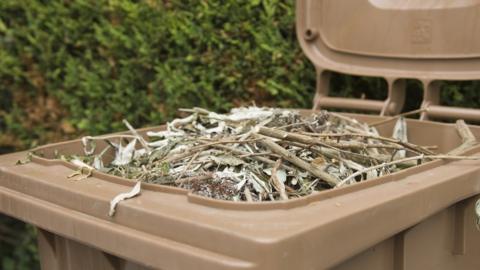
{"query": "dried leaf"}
(372, 174)
(123, 155)
(81, 164)
(477, 212)
(88, 145)
(123, 196)
(281, 174)
(400, 133)
(227, 160)
(242, 114)
(165, 134)
(84, 170)
(318, 161)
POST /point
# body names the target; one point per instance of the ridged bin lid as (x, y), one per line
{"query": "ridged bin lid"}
(425, 39)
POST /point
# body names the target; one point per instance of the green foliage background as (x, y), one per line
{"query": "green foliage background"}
(76, 67)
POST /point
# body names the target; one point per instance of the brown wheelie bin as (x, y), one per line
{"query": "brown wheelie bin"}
(419, 218)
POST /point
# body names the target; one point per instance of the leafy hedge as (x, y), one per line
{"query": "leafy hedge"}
(74, 67)
(18, 245)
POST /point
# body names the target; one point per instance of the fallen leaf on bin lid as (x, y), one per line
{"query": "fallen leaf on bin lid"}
(123, 196)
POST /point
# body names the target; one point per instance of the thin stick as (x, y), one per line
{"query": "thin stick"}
(207, 144)
(135, 133)
(359, 145)
(397, 116)
(259, 158)
(283, 135)
(468, 139)
(357, 173)
(339, 154)
(292, 125)
(195, 110)
(202, 177)
(408, 145)
(197, 149)
(109, 137)
(299, 162)
(248, 194)
(279, 186)
(260, 154)
(188, 165)
(280, 134)
(348, 119)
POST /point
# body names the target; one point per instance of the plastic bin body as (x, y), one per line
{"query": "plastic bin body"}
(420, 218)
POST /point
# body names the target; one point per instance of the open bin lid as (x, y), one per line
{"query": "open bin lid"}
(392, 38)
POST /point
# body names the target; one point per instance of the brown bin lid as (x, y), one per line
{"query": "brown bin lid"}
(428, 40)
(432, 39)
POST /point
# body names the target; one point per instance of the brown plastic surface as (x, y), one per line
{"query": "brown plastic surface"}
(428, 40)
(420, 218)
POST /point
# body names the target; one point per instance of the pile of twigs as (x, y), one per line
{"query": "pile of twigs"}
(258, 154)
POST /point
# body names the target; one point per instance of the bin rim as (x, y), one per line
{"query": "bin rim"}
(246, 206)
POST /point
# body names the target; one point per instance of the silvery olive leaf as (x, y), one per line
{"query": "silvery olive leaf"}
(281, 174)
(242, 114)
(123, 155)
(98, 163)
(372, 174)
(172, 126)
(159, 143)
(258, 184)
(227, 174)
(200, 128)
(240, 184)
(219, 129)
(88, 145)
(139, 152)
(400, 133)
(294, 181)
(227, 160)
(165, 134)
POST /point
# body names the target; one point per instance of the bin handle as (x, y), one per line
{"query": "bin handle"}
(393, 105)
(431, 102)
(390, 106)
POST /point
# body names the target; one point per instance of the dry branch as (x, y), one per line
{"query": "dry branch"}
(299, 162)
(468, 139)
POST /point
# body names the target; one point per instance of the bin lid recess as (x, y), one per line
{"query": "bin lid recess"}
(427, 40)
